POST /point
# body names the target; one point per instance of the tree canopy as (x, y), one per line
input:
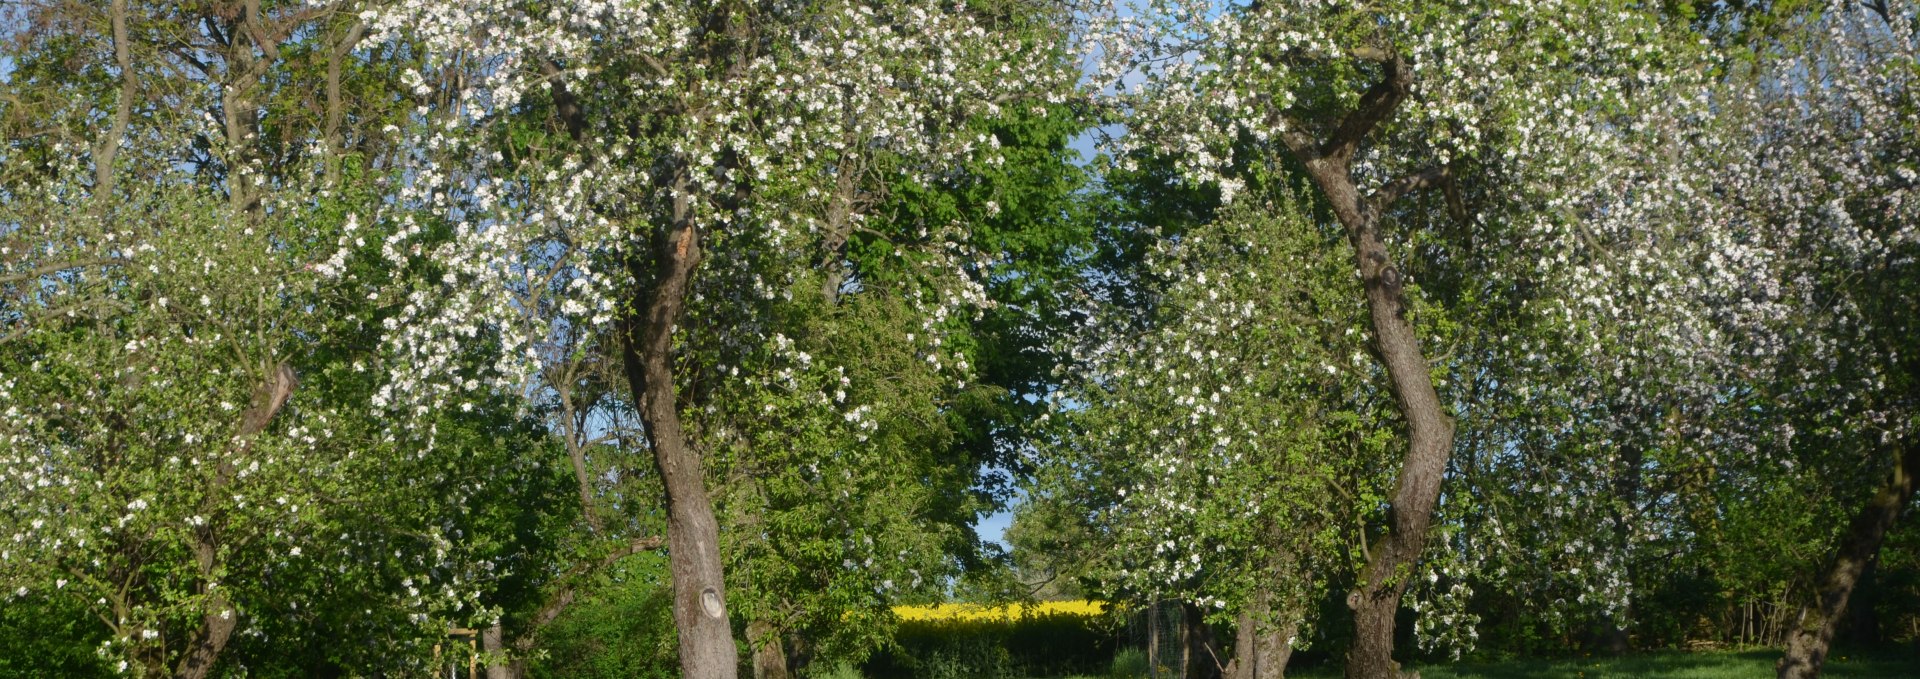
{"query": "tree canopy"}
(644, 337)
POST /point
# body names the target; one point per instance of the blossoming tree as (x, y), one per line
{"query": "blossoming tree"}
(1430, 132)
(691, 171)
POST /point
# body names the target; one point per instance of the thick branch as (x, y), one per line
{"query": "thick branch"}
(336, 111)
(217, 619)
(109, 147)
(1376, 106)
(1295, 136)
(565, 104)
(1418, 181)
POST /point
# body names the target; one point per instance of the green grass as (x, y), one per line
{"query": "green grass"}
(1895, 664)
(1665, 665)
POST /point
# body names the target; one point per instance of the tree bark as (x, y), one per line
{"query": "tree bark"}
(1261, 650)
(1809, 638)
(577, 454)
(216, 624)
(116, 133)
(769, 655)
(493, 642)
(1429, 427)
(1153, 640)
(707, 649)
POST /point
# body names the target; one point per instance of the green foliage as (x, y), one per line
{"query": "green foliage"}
(839, 670)
(620, 627)
(1226, 433)
(50, 635)
(1129, 663)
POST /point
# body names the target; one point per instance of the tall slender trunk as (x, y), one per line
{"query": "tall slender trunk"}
(574, 439)
(706, 644)
(1429, 427)
(116, 133)
(1153, 640)
(1628, 483)
(1808, 639)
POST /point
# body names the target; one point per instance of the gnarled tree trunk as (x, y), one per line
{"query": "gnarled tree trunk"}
(706, 644)
(1808, 640)
(1429, 427)
(1261, 649)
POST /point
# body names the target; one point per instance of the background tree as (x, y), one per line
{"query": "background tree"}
(187, 316)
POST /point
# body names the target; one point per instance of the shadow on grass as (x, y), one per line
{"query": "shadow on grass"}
(1885, 664)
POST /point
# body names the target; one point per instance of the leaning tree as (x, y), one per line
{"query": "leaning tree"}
(1434, 135)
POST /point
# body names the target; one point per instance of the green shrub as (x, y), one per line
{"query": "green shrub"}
(621, 627)
(1129, 663)
(838, 671)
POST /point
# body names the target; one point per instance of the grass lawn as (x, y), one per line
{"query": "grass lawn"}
(1667, 665)
(1883, 664)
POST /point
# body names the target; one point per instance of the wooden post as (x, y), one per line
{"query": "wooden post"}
(1186, 641)
(473, 652)
(1153, 640)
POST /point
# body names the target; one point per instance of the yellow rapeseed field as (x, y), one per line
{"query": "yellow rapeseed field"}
(972, 612)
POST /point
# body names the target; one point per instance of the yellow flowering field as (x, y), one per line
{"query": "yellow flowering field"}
(1048, 639)
(972, 612)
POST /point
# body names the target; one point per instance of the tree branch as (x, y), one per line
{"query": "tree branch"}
(122, 115)
(1375, 106)
(56, 267)
(565, 104)
(1418, 181)
(1295, 136)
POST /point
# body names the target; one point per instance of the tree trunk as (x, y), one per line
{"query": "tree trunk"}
(1153, 640)
(582, 479)
(210, 640)
(493, 641)
(1616, 638)
(1429, 427)
(1807, 641)
(706, 644)
(116, 133)
(769, 655)
(1203, 653)
(1261, 649)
